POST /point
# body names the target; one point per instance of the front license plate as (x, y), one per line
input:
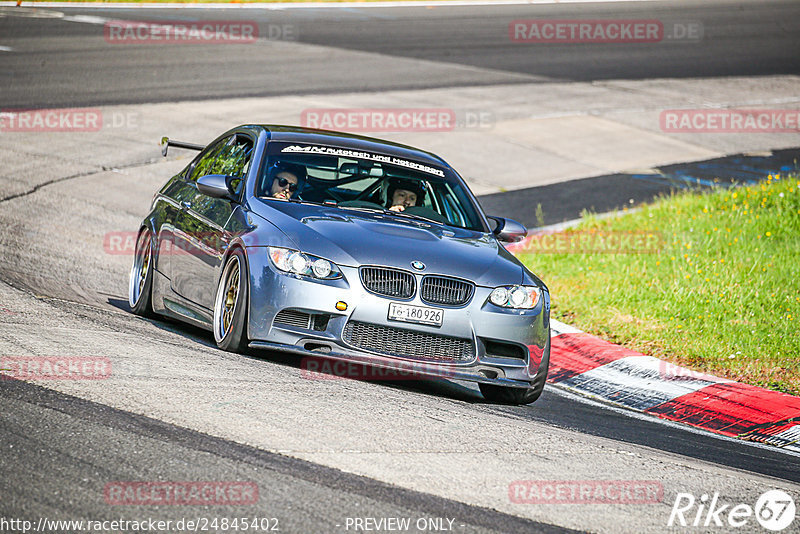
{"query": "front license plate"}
(415, 314)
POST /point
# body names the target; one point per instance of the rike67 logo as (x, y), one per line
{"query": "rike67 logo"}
(774, 510)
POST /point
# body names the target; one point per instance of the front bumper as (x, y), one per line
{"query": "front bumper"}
(508, 347)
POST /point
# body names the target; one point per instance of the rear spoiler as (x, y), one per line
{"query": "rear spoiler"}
(166, 142)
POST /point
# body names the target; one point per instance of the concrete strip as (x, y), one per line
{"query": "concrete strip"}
(598, 142)
(537, 134)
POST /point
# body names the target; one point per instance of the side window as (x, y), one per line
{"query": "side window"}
(234, 160)
(206, 161)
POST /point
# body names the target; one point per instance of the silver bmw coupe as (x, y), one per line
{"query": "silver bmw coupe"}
(343, 247)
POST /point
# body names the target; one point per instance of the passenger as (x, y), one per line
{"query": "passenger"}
(403, 194)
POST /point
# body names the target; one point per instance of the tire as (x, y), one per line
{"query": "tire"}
(508, 395)
(140, 285)
(231, 303)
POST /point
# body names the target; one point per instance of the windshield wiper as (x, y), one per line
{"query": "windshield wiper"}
(293, 200)
(386, 211)
(412, 216)
(360, 208)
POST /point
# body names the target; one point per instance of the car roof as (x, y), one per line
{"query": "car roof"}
(296, 134)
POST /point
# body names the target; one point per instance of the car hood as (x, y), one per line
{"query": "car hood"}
(351, 237)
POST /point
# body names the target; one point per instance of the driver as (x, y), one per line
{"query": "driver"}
(285, 181)
(403, 194)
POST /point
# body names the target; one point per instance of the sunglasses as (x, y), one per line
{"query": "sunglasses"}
(283, 182)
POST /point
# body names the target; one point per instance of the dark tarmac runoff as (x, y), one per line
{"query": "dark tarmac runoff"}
(566, 201)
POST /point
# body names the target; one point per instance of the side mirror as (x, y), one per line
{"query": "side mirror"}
(215, 185)
(508, 230)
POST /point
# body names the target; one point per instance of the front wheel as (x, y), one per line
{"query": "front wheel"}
(141, 277)
(230, 305)
(507, 395)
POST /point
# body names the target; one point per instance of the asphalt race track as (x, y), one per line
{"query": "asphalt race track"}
(69, 64)
(323, 452)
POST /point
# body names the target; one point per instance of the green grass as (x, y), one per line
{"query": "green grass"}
(722, 296)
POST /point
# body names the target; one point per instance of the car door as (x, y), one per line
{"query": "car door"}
(166, 209)
(200, 235)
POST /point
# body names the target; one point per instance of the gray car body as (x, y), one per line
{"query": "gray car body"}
(185, 283)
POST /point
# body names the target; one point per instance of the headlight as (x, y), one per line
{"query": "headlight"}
(499, 296)
(321, 268)
(295, 262)
(520, 297)
(298, 263)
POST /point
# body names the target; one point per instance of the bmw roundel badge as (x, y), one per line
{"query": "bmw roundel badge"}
(418, 265)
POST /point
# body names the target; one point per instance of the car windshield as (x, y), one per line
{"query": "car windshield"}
(358, 180)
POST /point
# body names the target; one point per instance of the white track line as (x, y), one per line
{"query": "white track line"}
(6, 49)
(86, 19)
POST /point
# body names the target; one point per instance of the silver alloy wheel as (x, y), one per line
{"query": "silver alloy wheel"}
(142, 261)
(227, 298)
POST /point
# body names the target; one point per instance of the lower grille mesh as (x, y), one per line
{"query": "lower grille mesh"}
(407, 343)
